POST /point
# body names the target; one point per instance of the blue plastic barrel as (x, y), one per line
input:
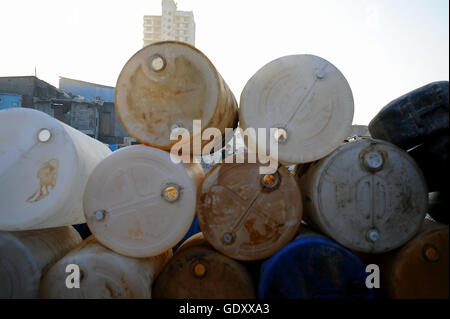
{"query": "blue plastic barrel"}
(313, 266)
(194, 229)
(113, 147)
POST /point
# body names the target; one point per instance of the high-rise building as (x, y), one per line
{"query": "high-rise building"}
(171, 25)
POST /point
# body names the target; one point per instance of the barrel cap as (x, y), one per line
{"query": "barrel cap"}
(167, 85)
(138, 202)
(305, 95)
(245, 215)
(37, 170)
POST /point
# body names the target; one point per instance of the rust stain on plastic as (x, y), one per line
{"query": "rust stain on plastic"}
(125, 286)
(47, 175)
(256, 237)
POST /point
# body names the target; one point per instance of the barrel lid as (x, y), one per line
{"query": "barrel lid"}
(420, 268)
(305, 95)
(371, 196)
(138, 202)
(198, 271)
(164, 86)
(103, 274)
(313, 267)
(38, 166)
(19, 272)
(245, 215)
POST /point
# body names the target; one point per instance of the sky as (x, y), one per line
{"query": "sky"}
(384, 48)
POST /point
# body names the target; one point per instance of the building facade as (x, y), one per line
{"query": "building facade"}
(93, 114)
(171, 25)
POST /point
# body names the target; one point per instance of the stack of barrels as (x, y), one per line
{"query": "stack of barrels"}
(340, 197)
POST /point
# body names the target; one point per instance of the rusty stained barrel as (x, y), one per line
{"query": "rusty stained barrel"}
(104, 274)
(197, 271)
(307, 98)
(313, 266)
(139, 203)
(27, 255)
(44, 167)
(368, 195)
(418, 270)
(246, 215)
(167, 85)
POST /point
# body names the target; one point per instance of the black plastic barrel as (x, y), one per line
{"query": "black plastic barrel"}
(413, 117)
(432, 158)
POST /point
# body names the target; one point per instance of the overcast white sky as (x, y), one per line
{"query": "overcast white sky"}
(384, 48)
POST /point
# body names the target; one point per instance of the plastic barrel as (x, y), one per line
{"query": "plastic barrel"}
(410, 119)
(139, 203)
(167, 85)
(313, 266)
(368, 195)
(44, 167)
(306, 97)
(418, 270)
(439, 206)
(432, 158)
(103, 274)
(26, 255)
(247, 215)
(193, 229)
(197, 271)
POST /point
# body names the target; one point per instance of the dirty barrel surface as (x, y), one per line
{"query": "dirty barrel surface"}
(25, 256)
(139, 203)
(313, 266)
(104, 274)
(247, 215)
(418, 270)
(368, 195)
(410, 119)
(307, 99)
(166, 86)
(198, 271)
(45, 165)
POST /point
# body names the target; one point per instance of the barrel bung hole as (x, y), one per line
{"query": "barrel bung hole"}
(280, 135)
(171, 193)
(44, 135)
(157, 63)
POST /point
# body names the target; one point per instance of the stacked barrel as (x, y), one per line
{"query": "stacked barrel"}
(339, 198)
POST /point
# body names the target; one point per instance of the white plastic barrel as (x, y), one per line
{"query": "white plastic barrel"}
(44, 167)
(307, 99)
(139, 203)
(103, 274)
(26, 255)
(368, 195)
(167, 85)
